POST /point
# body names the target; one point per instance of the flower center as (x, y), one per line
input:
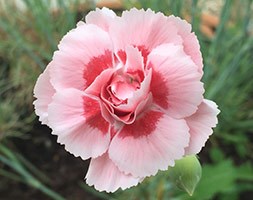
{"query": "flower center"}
(122, 87)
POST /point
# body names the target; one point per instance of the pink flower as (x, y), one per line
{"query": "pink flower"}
(126, 92)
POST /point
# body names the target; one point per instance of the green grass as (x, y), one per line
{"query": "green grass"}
(24, 171)
(28, 41)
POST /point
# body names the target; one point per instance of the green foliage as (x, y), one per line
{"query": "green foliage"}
(219, 180)
(23, 170)
(28, 40)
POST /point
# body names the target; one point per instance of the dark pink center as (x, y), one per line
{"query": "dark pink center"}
(96, 66)
(92, 113)
(159, 90)
(144, 125)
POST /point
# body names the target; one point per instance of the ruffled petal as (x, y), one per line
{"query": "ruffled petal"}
(127, 113)
(142, 28)
(134, 61)
(96, 87)
(175, 84)
(83, 54)
(77, 120)
(190, 41)
(201, 124)
(153, 142)
(44, 92)
(101, 17)
(138, 95)
(105, 176)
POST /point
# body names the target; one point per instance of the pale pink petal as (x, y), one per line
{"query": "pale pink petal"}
(77, 121)
(105, 176)
(44, 92)
(134, 61)
(190, 41)
(175, 85)
(80, 23)
(153, 142)
(201, 124)
(130, 116)
(144, 29)
(83, 54)
(95, 90)
(99, 82)
(101, 17)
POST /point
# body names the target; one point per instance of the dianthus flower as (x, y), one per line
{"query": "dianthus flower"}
(127, 93)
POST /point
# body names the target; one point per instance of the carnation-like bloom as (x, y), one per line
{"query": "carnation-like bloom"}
(127, 93)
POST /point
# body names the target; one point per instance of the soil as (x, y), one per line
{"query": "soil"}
(64, 170)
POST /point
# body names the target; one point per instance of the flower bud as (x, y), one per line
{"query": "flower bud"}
(186, 173)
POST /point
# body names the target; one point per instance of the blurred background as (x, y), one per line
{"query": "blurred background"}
(34, 166)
